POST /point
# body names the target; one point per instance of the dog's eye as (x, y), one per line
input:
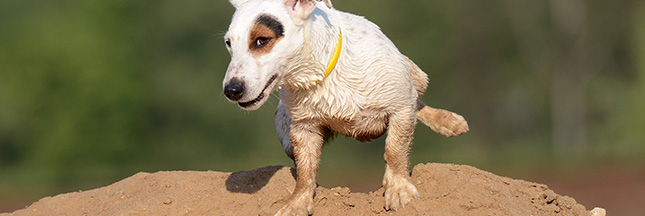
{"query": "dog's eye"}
(261, 41)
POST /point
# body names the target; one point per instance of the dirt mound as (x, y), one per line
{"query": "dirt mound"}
(445, 189)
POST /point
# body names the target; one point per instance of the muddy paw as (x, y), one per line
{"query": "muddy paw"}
(398, 192)
(301, 206)
(443, 122)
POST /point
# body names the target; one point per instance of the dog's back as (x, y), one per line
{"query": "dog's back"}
(371, 72)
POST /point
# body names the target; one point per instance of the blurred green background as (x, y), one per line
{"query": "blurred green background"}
(92, 92)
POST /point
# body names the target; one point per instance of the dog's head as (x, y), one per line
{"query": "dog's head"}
(262, 34)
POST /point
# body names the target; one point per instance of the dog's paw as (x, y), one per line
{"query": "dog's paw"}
(450, 124)
(443, 122)
(297, 206)
(398, 192)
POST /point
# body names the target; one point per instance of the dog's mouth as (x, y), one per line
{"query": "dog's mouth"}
(262, 95)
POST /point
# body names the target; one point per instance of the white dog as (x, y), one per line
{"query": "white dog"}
(336, 73)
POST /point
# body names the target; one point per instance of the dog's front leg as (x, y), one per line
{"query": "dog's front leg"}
(307, 141)
(399, 189)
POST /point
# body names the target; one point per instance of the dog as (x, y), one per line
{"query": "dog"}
(336, 73)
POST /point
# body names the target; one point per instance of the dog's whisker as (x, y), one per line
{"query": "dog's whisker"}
(272, 98)
(219, 35)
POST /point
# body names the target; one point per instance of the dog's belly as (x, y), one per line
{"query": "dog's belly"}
(365, 127)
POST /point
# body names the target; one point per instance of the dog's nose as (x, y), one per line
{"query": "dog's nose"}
(234, 90)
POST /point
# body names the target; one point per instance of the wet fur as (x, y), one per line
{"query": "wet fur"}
(373, 90)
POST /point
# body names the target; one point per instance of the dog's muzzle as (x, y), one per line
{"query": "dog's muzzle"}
(235, 91)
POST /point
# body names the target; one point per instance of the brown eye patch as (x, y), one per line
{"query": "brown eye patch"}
(266, 32)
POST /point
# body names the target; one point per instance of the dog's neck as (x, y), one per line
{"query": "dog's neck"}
(314, 61)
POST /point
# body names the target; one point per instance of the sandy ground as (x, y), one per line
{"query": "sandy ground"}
(445, 189)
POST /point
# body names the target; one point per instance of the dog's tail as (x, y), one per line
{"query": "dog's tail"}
(419, 78)
(442, 121)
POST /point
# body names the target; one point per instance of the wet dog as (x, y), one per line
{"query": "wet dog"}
(336, 73)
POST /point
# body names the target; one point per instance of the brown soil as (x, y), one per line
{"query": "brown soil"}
(445, 189)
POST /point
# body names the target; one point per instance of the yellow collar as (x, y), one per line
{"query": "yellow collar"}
(334, 59)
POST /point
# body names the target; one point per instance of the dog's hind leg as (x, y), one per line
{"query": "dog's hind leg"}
(399, 189)
(442, 121)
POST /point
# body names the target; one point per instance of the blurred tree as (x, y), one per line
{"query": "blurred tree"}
(73, 90)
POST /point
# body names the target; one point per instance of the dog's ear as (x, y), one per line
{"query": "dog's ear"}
(299, 10)
(237, 3)
(327, 2)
